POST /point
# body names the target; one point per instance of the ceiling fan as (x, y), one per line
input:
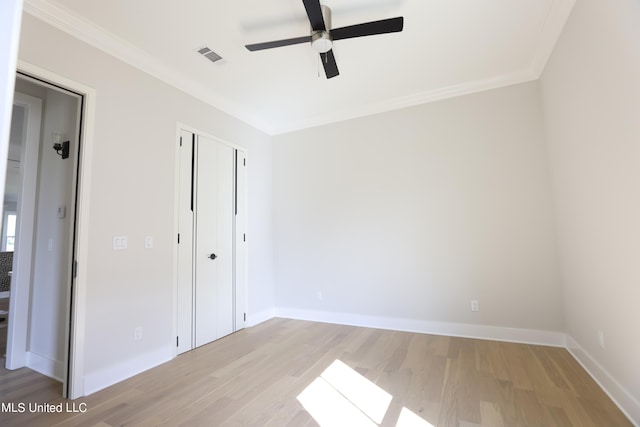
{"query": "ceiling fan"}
(322, 35)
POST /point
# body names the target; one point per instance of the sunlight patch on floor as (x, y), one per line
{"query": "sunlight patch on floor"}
(330, 408)
(342, 397)
(409, 419)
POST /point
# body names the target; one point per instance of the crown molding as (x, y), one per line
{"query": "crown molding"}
(115, 46)
(413, 100)
(550, 32)
(100, 38)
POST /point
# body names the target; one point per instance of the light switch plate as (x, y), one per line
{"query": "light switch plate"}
(119, 243)
(148, 242)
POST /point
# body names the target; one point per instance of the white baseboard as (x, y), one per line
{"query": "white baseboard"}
(96, 381)
(5, 294)
(254, 319)
(620, 396)
(46, 366)
(497, 333)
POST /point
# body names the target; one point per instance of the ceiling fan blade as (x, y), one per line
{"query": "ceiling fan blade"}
(314, 12)
(329, 64)
(391, 25)
(278, 43)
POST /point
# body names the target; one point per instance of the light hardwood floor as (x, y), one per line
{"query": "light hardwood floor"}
(253, 378)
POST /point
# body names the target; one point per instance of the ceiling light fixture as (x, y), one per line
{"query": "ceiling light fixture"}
(321, 41)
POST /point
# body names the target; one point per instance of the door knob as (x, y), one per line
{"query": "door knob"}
(213, 256)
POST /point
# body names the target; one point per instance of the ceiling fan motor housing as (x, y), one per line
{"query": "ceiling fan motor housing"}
(321, 41)
(322, 34)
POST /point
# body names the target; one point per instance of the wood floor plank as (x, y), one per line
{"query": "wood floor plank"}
(517, 368)
(253, 378)
(490, 414)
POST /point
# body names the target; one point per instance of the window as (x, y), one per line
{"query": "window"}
(9, 232)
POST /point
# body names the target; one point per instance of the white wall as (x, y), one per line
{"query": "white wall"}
(10, 11)
(413, 213)
(132, 194)
(591, 97)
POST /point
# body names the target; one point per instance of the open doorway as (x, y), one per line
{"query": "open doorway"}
(41, 193)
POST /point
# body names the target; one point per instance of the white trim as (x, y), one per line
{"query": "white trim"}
(465, 330)
(103, 378)
(78, 317)
(254, 319)
(113, 45)
(241, 246)
(627, 403)
(185, 127)
(412, 100)
(20, 290)
(176, 230)
(549, 34)
(46, 366)
(125, 51)
(180, 126)
(10, 22)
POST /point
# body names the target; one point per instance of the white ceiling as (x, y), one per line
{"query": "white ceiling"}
(447, 48)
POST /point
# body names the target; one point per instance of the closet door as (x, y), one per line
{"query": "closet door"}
(214, 302)
(211, 265)
(186, 228)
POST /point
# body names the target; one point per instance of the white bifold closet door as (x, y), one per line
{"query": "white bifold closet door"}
(214, 241)
(208, 298)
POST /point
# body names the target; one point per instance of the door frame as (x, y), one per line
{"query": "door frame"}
(76, 300)
(18, 318)
(241, 268)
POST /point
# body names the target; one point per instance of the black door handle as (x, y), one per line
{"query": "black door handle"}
(213, 256)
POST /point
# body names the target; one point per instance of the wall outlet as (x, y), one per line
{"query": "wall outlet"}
(474, 305)
(319, 294)
(137, 334)
(601, 339)
(148, 242)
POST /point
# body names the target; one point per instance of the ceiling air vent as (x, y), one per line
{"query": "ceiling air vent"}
(209, 54)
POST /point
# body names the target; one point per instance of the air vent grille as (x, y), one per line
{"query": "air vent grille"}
(209, 54)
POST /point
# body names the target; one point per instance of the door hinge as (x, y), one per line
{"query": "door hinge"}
(178, 238)
(245, 317)
(244, 162)
(177, 341)
(74, 273)
(244, 237)
(180, 141)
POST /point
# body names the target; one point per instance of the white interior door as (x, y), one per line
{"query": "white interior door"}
(214, 242)
(208, 291)
(186, 227)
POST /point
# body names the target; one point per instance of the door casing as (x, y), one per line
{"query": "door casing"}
(76, 299)
(187, 164)
(18, 322)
